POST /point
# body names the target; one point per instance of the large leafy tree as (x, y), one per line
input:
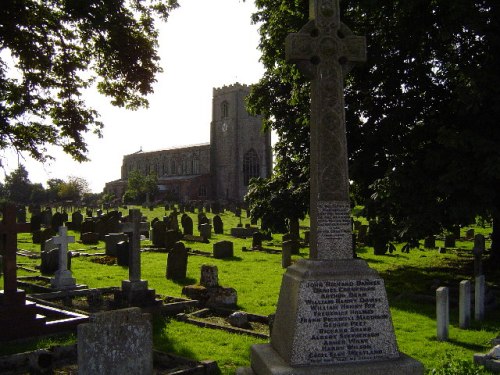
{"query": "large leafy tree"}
(52, 50)
(18, 186)
(421, 112)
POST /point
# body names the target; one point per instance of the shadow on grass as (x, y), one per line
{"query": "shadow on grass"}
(232, 259)
(185, 281)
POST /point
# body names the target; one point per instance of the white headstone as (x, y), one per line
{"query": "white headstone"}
(464, 311)
(63, 278)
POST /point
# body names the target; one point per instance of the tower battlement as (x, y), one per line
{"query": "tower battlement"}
(230, 88)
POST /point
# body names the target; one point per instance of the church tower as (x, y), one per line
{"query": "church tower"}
(239, 149)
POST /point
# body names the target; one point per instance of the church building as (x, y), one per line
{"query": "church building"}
(217, 171)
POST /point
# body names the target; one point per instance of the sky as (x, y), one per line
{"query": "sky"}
(204, 44)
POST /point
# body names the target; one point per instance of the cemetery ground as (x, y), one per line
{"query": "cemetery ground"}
(410, 279)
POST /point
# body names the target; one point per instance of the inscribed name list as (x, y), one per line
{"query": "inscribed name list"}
(343, 321)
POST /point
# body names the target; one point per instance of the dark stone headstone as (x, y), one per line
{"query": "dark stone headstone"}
(205, 231)
(293, 247)
(209, 276)
(430, 242)
(89, 238)
(218, 225)
(50, 261)
(257, 240)
(449, 240)
(177, 262)
(223, 249)
(158, 233)
(187, 225)
(111, 240)
(57, 221)
(21, 214)
(171, 237)
(77, 220)
(87, 226)
(122, 253)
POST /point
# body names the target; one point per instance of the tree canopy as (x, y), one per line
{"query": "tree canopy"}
(421, 112)
(52, 50)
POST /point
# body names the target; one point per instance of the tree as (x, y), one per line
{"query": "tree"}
(18, 186)
(139, 187)
(53, 50)
(282, 98)
(74, 189)
(421, 112)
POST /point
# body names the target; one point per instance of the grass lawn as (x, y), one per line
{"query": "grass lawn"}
(410, 279)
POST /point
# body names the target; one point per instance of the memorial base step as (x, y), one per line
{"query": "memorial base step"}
(266, 361)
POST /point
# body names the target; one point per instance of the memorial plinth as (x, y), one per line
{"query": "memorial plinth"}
(333, 315)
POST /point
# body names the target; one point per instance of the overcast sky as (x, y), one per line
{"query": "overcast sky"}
(204, 44)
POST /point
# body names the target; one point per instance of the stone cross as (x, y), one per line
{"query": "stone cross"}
(324, 50)
(8, 244)
(134, 228)
(63, 240)
(63, 277)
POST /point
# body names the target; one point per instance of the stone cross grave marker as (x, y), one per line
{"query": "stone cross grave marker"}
(8, 232)
(332, 315)
(324, 50)
(18, 317)
(63, 278)
(134, 228)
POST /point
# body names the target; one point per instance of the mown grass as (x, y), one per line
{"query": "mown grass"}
(410, 280)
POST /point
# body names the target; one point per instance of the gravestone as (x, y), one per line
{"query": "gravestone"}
(177, 262)
(363, 234)
(77, 220)
(36, 223)
(442, 313)
(209, 293)
(209, 276)
(111, 240)
(469, 234)
(206, 231)
(286, 256)
(135, 290)
(449, 240)
(89, 238)
(57, 221)
(257, 241)
(187, 225)
(430, 242)
(115, 343)
(18, 317)
(291, 246)
(158, 232)
(63, 279)
(49, 258)
(330, 293)
(464, 311)
(171, 237)
(122, 253)
(223, 249)
(87, 226)
(218, 225)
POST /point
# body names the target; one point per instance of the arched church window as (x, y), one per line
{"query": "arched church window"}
(224, 109)
(250, 166)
